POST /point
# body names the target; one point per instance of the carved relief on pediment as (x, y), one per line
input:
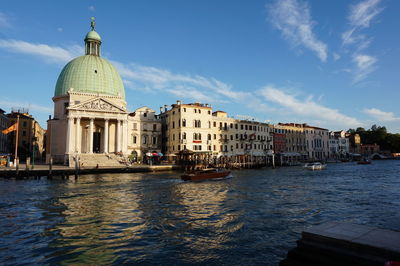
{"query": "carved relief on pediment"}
(98, 105)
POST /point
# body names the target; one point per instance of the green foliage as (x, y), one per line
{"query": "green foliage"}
(379, 135)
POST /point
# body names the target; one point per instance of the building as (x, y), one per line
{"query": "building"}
(144, 127)
(91, 124)
(30, 136)
(339, 145)
(4, 124)
(317, 142)
(367, 150)
(197, 128)
(294, 150)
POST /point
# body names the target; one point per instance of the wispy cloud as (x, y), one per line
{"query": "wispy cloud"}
(365, 65)
(48, 53)
(4, 21)
(293, 19)
(381, 115)
(92, 8)
(360, 17)
(307, 107)
(186, 86)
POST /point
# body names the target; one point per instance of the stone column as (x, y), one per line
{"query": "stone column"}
(78, 135)
(124, 136)
(91, 135)
(118, 137)
(70, 123)
(105, 136)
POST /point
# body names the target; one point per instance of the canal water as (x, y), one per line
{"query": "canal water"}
(155, 218)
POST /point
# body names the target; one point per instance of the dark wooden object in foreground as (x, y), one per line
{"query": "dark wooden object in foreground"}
(337, 243)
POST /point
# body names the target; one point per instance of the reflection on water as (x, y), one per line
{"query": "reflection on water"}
(253, 218)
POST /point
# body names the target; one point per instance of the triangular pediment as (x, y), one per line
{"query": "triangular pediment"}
(98, 105)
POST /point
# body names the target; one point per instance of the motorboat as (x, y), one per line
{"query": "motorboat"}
(204, 174)
(314, 166)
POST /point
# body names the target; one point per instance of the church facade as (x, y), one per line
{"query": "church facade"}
(91, 122)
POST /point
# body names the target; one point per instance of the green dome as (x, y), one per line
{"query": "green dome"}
(93, 35)
(90, 74)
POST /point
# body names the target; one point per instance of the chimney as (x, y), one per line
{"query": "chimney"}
(178, 102)
(165, 107)
(160, 109)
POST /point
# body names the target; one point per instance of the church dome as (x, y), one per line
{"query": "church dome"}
(90, 73)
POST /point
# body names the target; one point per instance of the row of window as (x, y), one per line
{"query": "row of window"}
(222, 126)
(146, 126)
(145, 140)
(196, 111)
(285, 131)
(197, 136)
(224, 148)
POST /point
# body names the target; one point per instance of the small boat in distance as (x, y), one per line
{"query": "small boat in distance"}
(364, 161)
(314, 166)
(204, 174)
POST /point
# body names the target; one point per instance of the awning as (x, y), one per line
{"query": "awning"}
(291, 154)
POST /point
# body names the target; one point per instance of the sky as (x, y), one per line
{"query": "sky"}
(332, 64)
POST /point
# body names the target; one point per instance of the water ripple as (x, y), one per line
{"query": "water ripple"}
(253, 218)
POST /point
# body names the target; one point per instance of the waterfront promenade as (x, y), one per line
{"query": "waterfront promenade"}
(62, 170)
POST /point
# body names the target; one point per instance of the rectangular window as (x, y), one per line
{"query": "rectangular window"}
(154, 127)
(135, 126)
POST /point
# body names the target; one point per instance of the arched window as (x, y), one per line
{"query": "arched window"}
(145, 140)
(134, 139)
(209, 137)
(184, 135)
(183, 122)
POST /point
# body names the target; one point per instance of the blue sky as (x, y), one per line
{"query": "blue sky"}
(333, 64)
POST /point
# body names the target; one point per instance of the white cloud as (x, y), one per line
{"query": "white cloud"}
(307, 108)
(48, 53)
(187, 86)
(26, 105)
(4, 21)
(336, 56)
(293, 19)
(360, 17)
(365, 65)
(381, 115)
(92, 8)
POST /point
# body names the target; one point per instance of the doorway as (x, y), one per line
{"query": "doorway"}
(96, 142)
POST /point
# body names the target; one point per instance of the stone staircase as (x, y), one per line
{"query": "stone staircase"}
(100, 160)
